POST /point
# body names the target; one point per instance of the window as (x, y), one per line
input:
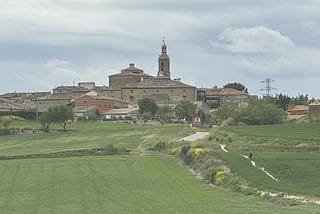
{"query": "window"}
(131, 98)
(131, 91)
(144, 91)
(157, 90)
(162, 66)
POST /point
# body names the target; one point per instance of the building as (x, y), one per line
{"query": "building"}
(161, 89)
(314, 111)
(133, 84)
(10, 105)
(100, 103)
(75, 90)
(45, 102)
(216, 97)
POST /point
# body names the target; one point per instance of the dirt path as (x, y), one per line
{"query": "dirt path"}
(194, 137)
(261, 168)
(223, 147)
(276, 195)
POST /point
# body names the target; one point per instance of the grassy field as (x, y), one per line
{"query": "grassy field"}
(88, 135)
(297, 173)
(290, 152)
(118, 184)
(302, 131)
(140, 184)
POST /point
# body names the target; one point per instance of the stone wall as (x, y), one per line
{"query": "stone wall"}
(314, 111)
(44, 105)
(132, 95)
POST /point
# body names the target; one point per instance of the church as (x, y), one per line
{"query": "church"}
(133, 84)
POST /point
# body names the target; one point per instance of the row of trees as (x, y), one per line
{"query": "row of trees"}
(183, 110)
(284, 100)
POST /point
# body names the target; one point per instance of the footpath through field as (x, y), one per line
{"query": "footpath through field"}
(194, 137)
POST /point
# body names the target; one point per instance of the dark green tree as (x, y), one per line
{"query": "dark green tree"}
(300, 100)
(237, 86)
(185, 109)
(57, 115)
(282, 101)
(147, 105)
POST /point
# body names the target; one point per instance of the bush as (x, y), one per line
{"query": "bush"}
(260, 113)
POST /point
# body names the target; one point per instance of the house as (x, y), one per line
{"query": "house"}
(99, 102)
(215, 97)
(314, 111)
(11, 105)
(298, 109)
(121, 113)
(45, 102)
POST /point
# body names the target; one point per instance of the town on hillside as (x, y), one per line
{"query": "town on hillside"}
(120, 98)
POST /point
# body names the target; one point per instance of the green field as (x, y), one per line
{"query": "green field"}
(298, 173)
(88, 135)
(290, 152)
(118, 184)
(142, 184)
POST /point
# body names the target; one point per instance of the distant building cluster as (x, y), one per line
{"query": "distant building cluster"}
(123, 92)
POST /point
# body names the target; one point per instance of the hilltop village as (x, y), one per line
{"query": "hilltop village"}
(125, 88)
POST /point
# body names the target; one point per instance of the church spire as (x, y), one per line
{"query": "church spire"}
(164, 61)
(164, 46)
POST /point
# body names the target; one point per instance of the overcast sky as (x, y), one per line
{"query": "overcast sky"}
(48, 43)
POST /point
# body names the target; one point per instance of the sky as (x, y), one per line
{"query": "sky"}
(50, 43)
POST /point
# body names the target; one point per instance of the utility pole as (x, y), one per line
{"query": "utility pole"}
(267, 88)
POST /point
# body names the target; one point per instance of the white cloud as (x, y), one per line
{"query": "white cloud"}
(57, 70)
(253, 40)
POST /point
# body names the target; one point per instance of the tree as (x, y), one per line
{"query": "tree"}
(58, 115)
(185, 109)
(165, 113)
(283, 101)
(224, 112)
(300, 100)
(259, 112)
(6, 120)
(237, 86)
(147, 105)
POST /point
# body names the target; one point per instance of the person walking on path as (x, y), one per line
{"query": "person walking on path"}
(250, 155)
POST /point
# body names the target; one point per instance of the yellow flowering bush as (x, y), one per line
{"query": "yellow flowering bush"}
(175, 151)
(198, 151)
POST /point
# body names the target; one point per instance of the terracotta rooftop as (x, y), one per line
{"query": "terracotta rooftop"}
(98, 96)
(298, 108)
(58, 96)
(224, 91)
(159, 82)
(122, 111)
(6, 104)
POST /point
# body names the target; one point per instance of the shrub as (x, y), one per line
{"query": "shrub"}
(259, 113)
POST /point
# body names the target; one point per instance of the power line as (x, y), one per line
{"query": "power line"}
(267, 88)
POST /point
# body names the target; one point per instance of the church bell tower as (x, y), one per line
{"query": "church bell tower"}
(164, 62)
